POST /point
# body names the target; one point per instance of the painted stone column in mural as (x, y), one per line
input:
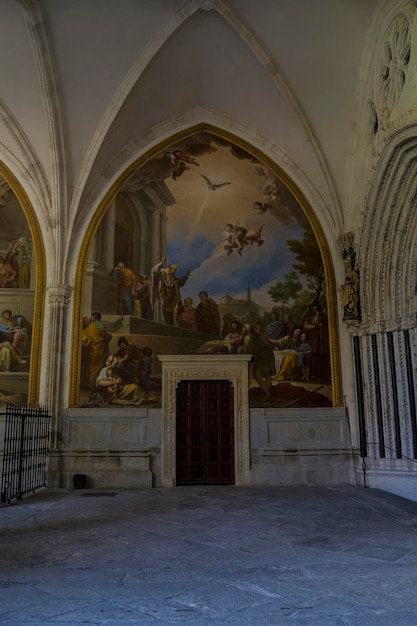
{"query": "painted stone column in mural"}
(58, 300)
(155, 221)
(164, 220)
(107, 237)
(100, 289)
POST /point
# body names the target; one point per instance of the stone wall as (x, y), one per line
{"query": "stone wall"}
(123, 450)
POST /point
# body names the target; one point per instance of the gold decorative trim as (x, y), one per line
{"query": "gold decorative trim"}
(38, 304)
(335, 365)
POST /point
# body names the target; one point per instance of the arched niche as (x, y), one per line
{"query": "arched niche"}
(22, 289)
(204, 155)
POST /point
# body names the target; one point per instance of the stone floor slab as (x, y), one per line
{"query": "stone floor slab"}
(210, 555)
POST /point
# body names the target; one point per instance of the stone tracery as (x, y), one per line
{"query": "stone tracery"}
(393, 64)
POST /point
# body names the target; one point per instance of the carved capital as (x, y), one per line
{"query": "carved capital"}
(346, 241)
(59, 295)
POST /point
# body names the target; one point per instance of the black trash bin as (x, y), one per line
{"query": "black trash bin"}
(79, 481)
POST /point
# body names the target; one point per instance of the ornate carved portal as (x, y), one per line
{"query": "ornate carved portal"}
(176, 368)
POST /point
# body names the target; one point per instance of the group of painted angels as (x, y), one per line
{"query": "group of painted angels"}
(237, 237)
(179, 161)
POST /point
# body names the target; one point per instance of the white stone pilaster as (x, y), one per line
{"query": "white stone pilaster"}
(58, 301)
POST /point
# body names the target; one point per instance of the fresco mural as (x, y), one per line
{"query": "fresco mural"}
(16, 298)
(204, 250)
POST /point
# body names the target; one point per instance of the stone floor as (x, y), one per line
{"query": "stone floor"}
(210, 555)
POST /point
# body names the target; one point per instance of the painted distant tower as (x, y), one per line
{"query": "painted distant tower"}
(240, 308)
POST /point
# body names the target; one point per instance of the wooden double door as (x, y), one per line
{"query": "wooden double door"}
(205, 433)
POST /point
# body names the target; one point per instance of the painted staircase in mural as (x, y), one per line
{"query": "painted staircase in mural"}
(160, 337)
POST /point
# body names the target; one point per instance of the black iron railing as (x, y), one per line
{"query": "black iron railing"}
(25, 453)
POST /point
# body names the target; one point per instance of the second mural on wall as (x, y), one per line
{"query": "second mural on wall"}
(17, 280)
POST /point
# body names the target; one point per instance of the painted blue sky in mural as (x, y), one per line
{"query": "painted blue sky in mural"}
(218, 273)
(196, 236)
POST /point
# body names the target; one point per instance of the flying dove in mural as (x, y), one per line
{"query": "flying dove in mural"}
(213, 186)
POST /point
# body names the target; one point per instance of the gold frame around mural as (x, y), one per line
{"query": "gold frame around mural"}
(335, 363)
(39, 296)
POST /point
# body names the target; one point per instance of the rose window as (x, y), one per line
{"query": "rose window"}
(394, 61)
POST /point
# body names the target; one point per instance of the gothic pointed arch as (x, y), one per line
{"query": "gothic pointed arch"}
(205, 174)
(385, 345)
(388, 243)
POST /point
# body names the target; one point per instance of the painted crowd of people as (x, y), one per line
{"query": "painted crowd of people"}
(143, 297)
(122, 378)
(15, 264)
(15, 338)
(301, 347)
(282, 350)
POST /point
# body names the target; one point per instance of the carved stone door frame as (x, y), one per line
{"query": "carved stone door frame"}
(176, 368)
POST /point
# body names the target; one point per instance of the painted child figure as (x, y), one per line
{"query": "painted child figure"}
(112, 381)
(235, 238)
(304, 357)
(107, 384)
(145, 368)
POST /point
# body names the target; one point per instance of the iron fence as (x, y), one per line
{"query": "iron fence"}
(25, 452)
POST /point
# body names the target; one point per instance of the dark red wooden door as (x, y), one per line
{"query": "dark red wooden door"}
(205, 432)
